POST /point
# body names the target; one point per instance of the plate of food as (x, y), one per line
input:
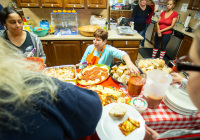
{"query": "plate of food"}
(108, 94)
(150, 63)
(120, 121)
(119, 72)
(92, 75)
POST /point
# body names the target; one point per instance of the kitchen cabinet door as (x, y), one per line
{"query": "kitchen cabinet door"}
(74, 3)
(52, 3)
(185, 46)
(132, 52)
(126, 14)
(163, 2)
(65, 52)
(114, 15)
(48, 52)
(97, 3)
(85, 44)
(194, 5)
(28, 3)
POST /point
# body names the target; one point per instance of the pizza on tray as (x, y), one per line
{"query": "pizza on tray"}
(94, 74)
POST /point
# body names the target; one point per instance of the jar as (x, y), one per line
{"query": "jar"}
(139, 104)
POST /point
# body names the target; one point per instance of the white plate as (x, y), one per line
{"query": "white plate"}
(107, 128)
(176, 96)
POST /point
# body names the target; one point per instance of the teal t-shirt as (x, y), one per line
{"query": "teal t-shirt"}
(107, 56)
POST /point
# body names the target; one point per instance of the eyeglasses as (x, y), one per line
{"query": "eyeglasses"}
(183, 63)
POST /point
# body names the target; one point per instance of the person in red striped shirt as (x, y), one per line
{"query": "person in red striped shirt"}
(165, 23)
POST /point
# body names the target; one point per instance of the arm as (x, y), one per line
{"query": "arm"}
(150, 134)
(133, 15)
(41, 51)
(86, 53)
(171, 26)
(131, 67)
(158, 28)
(77, 109)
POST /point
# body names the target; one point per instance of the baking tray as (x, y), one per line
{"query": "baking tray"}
(73, 81)
(117, 64)
(126, 30)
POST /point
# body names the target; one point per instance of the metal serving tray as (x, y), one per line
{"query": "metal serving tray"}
(73, 81)
(126, 30)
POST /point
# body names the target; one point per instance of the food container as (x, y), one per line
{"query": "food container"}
(65, 73)
(139, 104)
(39, 60)
(126, 30)
(40, 31)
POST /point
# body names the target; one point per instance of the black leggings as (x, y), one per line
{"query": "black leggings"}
(164, 41)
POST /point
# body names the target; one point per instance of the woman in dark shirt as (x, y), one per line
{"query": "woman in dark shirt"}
(139, 17)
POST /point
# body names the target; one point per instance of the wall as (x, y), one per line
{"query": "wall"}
(185, 14)
(83, 14)
(5, 3)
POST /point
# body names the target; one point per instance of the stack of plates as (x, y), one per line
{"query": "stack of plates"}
(179, 101)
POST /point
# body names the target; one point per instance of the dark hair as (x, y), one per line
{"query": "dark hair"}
(5, 13)
(101, 34)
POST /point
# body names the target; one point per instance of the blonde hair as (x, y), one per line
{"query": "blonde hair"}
(20, 85)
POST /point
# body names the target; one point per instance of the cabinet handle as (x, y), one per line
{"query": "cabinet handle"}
(192, 7)
(126, 42)
(74, 5)
(197, 8)
(97, 5)
(37, 4)
(28, 4)
(51, 5)
(82, 6)
(51, 42)
(42, 5)
(88, 5)
(83, 42)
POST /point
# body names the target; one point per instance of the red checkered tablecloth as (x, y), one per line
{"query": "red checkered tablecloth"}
(163, 119)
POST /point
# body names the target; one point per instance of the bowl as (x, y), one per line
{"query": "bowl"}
(39, 60)
(40, 31)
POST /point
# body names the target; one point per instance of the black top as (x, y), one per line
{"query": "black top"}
(139, 17)
(27, 46)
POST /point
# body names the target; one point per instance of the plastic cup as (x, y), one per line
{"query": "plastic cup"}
(135, 84)
(156, 86)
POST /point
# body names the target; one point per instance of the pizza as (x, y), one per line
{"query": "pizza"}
(128, 126)
(110, 94)
(94, 74)
(61, 73)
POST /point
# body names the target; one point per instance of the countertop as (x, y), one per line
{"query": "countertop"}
(177, 27)
(112, 35)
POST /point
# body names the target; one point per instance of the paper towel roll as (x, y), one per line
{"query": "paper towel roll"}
(187, 21)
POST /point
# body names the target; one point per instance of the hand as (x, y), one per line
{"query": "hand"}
(150, 134)
(132, 68)
(130, 23)
(159, 35)
(176, 77)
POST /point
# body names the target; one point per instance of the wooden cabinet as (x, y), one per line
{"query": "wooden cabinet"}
(97, 3)
(194, 5)
(130, 47)
(71, 52)
(74, 3)
(65, 52)
(118, 14)
(163, 2)
(48, 52)
(185, 46)
(28, 3)
(52, 3)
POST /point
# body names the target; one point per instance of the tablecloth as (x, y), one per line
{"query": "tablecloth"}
(162, 118)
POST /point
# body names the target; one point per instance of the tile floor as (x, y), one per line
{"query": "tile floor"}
(146, 45)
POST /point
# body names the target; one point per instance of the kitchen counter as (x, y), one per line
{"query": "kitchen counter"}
(179, 28)
(112, 35)
(119, 10)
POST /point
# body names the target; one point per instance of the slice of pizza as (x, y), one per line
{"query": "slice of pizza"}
(128, 126)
